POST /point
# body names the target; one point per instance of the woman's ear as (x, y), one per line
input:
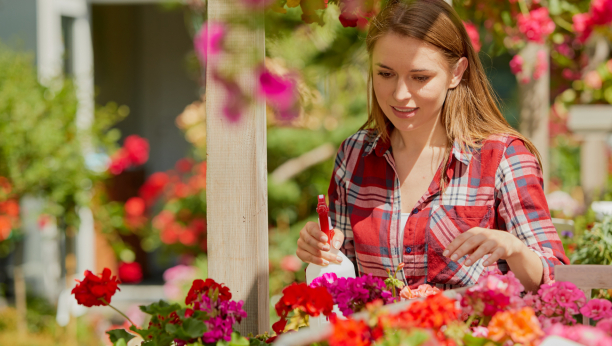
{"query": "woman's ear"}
(458, 71)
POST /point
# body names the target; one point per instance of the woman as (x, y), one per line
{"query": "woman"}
(436, 178)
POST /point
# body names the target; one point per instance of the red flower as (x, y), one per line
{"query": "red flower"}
(200, 286)
(279, 327)
(135, 206)
(313, 301)
(119, 162)
(188, 238)
(153, 187)
(184, 165)
(130, 272)
(137, 149)
(350, 333)
(6, 226)
(433, 312)
(10, 208)
(93, 288)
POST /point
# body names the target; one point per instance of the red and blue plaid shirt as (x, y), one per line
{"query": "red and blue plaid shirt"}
(498, 186)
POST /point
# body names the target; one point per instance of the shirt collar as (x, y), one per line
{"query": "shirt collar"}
(379, 146)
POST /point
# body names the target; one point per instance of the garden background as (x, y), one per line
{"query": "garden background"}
(103, 136)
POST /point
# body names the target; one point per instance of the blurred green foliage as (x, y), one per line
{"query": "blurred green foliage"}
(41, 146)
(595, 245)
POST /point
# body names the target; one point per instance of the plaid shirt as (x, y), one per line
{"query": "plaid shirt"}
(498, 186)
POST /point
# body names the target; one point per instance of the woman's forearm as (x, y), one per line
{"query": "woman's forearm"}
(527, 267)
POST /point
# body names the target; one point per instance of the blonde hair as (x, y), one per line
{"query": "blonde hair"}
(470, 113)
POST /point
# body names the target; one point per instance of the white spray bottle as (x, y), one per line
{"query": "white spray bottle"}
(343, 270)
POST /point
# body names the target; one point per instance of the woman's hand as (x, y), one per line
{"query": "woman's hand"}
(313, 247)
(478, 242)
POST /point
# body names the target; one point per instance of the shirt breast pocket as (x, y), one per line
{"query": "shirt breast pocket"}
(452, 220)
(467, 217)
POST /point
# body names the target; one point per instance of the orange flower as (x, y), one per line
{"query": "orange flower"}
(520, 326)
(421, 291)
(350, 333)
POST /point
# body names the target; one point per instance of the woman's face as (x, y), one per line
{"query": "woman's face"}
(410, 79)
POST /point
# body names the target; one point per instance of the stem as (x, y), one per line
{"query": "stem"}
(523, 8)
(563, 23)
(470, 320)
(120, 313)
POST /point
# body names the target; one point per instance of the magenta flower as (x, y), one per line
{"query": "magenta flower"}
(352, 294)
(601, 11)
(279, 91)
(209, 40)
(541, 65)
(225, 312)
(585, 335)
(493, 293)
(537, 25)
(236, 102)
(605, 325)
(516, 64)
(597, 309)
(583, 26)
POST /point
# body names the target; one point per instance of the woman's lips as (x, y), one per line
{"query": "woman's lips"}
(405, 115)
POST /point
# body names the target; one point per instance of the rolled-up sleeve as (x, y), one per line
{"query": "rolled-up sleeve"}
(522, 207)
(338, 210)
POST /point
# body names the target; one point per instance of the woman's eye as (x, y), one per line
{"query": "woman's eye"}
(421, 78)
(384, 74)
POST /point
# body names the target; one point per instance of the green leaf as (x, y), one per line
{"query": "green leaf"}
(237, 340)
(121, 342)
(118, 334)
(194, 328)
(471, 340)
(160, 308)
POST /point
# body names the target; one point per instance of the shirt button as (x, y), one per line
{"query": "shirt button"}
(415, 210)
(408, 249)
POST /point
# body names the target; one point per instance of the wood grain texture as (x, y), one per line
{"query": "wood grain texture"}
(535, 105)
(236, 195)
(585, 275)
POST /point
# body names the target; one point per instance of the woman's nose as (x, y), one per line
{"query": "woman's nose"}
(402, 92)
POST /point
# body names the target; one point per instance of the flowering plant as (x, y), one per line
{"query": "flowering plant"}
(207, 319)
(492, 312)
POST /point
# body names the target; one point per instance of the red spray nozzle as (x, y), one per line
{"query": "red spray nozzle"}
(324, 219)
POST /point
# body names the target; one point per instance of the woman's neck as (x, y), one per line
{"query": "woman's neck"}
(430, 135)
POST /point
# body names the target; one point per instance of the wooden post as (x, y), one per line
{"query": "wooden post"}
(535, 105)
(236, 195)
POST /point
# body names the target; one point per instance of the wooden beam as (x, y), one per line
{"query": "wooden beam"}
(535, 105)
(236, 195)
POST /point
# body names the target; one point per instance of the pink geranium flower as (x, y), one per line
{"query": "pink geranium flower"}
(537, 25)
(593, 80)
(583, 26)
(291, 263)
(601, 11)
(541, 65)
(208, 41)
(605, 325)
(585, 335)
(235, 100)
(597, 309)
(278, 90)
(472, 32)
(516, 64)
